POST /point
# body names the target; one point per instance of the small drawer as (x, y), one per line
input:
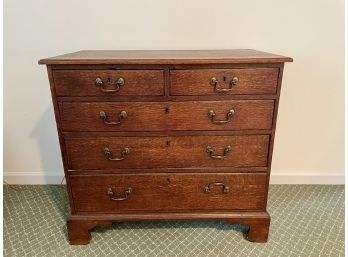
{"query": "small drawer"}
(224, 81)
(159, 116)
(168, 192)
(108, 83)
(132, 152)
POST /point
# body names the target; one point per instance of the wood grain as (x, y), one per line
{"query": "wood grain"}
(168, 192)
(101, 57)
(79, 225)
(172, 116)
(197, 82)
(167, 96)
(82, 82)
(258, 230)
(79, 232)
(167, 152)
(194, 170)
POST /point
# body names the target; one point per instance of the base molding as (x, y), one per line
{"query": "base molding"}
(328, 178)
(307, 178)
(79, 226)
(34, 178)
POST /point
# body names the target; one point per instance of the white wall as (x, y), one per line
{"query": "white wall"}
(309, 146)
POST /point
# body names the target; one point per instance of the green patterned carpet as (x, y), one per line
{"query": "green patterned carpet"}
(306, 221)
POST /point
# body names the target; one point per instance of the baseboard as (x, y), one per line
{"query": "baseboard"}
(39, 178)
(34, 178)
(329, 178)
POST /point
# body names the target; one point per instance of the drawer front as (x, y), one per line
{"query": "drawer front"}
(168, 192)
(224, 81)
(113, 116)
(167, 152)
(101, 82)
(222, 115)
(155, 116)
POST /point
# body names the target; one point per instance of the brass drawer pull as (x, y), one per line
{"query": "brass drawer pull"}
(215, 83)
(127, 192)
(230, 114)
(210, 151)
(225, 189)
(103, 116)
(125, 151)
(99, 83)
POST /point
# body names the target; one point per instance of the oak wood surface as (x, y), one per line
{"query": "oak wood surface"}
(82, 82)
(60, 136)
(270, 153)
(79, 232)
(169, 98)
(166, 57)
(88, 134)
(79, 226)
(170, 170)
(197, 82)
(168, 192)
(169, 66)
(258, 230)
(167, 152)
(171, 116)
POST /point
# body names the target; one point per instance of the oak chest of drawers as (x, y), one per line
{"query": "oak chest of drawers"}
(166, 135)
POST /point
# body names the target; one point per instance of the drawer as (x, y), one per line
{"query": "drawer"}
(222, 115)
(168, 192)
(167, 152)
(224, 81)
(105, 82)
(157, 116)
(132, 116)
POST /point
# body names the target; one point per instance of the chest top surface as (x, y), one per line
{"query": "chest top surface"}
(165, 57)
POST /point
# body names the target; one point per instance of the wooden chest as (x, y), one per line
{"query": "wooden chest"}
(166, 135)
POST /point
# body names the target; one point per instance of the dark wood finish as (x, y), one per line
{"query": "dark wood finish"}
(168, 149)
(60, 136)
(100, 57)
(197, 82)
(172, 116)
(258, 230)
(87, 134)
(169, 152)
(248, 115)
(171, 170)
(82, 82)
(79, 232)
(270, 153)
(257, 221)
(141, 116)
(116, 98)
(168, 66)
(168, 193)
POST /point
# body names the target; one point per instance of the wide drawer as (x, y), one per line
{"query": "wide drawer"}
(157, 116)
(105, 82)
(168, 192)
(224, 81)
(167, 152)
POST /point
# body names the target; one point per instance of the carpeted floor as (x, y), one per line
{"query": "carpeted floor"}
(306, 221)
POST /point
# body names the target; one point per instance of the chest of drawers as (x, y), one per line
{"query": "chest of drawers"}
(166, 135)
